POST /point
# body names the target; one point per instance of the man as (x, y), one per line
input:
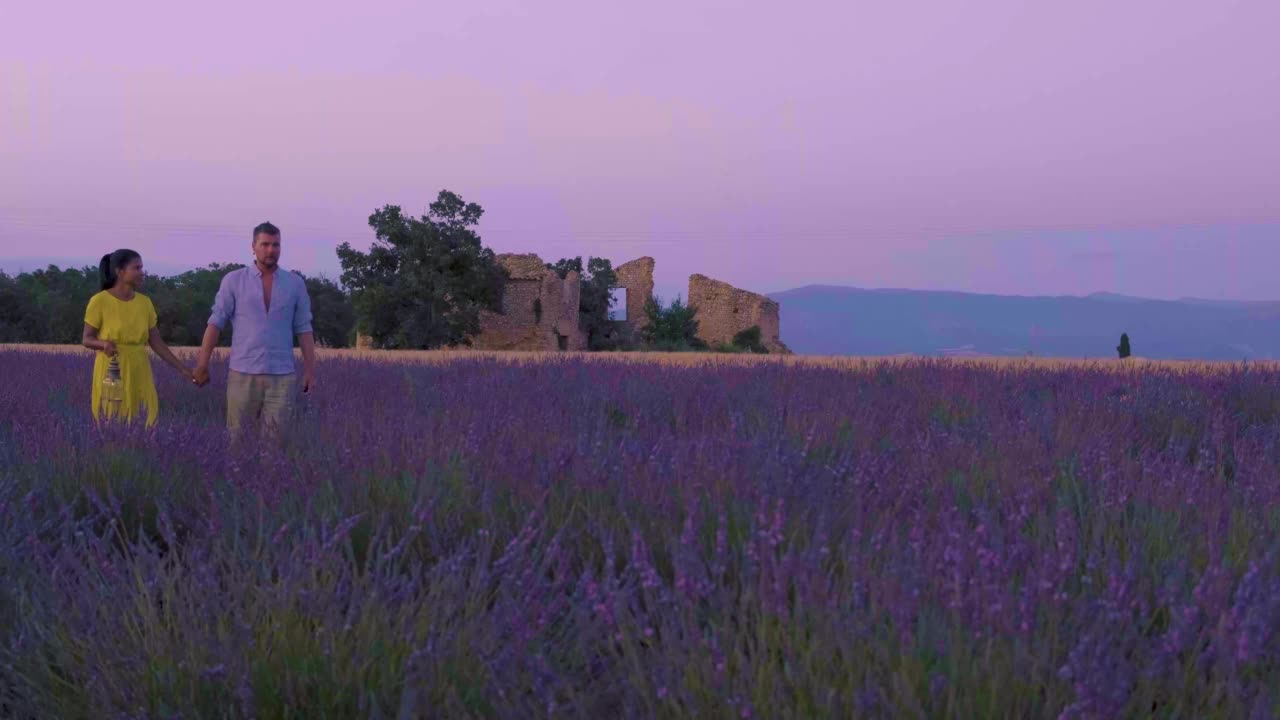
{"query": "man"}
(267, 307)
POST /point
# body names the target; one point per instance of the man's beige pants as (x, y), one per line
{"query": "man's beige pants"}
(259, 398)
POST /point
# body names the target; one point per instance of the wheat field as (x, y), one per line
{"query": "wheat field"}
(850, 362)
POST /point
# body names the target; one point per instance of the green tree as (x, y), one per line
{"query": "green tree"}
(47, 306)
(1123, 347)
(424, 281)
(333, 317)
(19, 318)
(184, 302)
(595, 298)
(59, 297)
(749, 340)
(671, 329)
(564, 265)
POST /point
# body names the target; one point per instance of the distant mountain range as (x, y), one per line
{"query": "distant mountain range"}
(832, 320)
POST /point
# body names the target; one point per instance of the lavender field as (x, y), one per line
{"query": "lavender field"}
(586, 539)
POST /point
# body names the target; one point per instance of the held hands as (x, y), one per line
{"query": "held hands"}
(109, 348)
(199, 376)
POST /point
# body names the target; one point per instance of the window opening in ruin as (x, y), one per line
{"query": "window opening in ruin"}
(618, 306)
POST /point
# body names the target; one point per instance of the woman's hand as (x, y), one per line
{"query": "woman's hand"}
(89, 338)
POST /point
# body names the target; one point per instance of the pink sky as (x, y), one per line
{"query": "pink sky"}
(994, 146)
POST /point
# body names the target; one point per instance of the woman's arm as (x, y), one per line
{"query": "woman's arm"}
(89, 338)
(158, 346)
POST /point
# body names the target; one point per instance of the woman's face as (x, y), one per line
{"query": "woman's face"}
(131, 274)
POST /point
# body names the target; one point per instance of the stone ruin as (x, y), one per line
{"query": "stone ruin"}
(637, 278)
(540, 310)
(725, 311)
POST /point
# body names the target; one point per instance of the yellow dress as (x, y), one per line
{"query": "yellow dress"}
(127, 324)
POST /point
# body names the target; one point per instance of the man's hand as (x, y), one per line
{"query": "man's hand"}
(308, 344)
(207, 344)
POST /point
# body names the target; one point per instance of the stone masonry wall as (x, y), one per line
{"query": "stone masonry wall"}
(534, 310)
(523, 266)
(572, 298)
(518, 298)
(724, 311)
(637, 277)
(567, 322)
(539, 310)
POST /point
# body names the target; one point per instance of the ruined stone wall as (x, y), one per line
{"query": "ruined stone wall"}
(637, 277)
(519, 326)
(513, 326)
(567, 323)
(551, 293)
(518, 298)
(724, 311)
(534, 313)
(559, 328)
(523, 266)
(572, 298)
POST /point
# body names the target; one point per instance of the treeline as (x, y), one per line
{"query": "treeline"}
(421, 285)
(47, 306)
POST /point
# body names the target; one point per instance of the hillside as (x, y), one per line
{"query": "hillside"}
(835, 320)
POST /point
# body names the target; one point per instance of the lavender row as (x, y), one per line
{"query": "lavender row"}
(578, 538)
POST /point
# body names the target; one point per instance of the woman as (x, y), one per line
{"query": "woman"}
(119, 323)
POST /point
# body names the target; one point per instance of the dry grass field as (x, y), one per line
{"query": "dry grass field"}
(848, 362)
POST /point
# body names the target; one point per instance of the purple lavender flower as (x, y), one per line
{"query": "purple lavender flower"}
(803, 541)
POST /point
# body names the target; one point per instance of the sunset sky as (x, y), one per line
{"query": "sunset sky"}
(997, 146)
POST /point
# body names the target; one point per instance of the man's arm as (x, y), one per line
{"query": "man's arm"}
(306, 338)
(307, 342)
(211, 335)
(224, 306)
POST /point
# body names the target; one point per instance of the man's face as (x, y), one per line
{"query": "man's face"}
(266, 250)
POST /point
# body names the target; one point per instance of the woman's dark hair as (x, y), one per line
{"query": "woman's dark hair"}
(111, 263)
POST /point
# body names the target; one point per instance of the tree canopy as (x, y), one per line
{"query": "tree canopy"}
(425, 280)
(47, 306)
(674, 328)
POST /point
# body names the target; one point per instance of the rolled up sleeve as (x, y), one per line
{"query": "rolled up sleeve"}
(302, 310)
(224, 305)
